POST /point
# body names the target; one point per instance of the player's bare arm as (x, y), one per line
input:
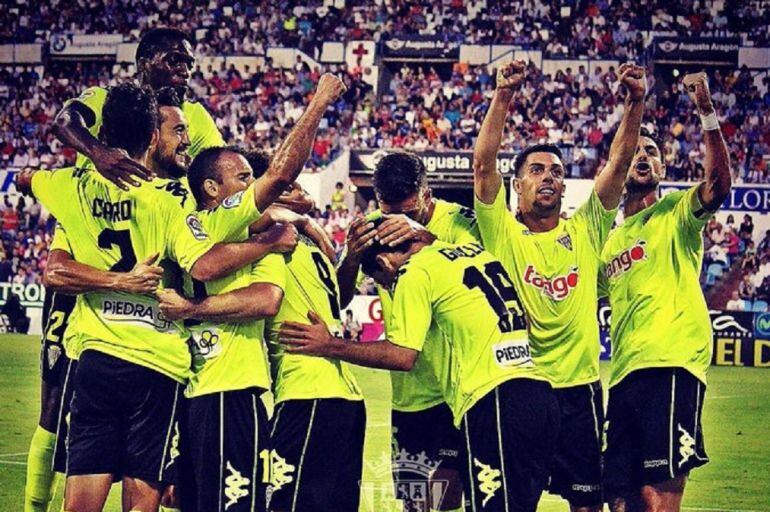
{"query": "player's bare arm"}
(717, 183)
(225, 258)
(361, 235)
(314, 339)
(65, 275)
(112, 163)
(612, 178)
(253, 302)
(398, 228)
(277, 215)
(486, 180)
(291, 155)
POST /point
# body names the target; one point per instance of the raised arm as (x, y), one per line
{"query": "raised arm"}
(258, 300)
(314, 339)
(65, 275)
(486, 179)
(361, 235)
(291, 155)
(612, 178)
(71, 127)
(717, 183)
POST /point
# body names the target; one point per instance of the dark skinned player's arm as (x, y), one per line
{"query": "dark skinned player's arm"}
(252, 302)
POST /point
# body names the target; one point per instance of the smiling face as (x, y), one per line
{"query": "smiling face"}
(647, 167)
(173, 142)
(540, 184)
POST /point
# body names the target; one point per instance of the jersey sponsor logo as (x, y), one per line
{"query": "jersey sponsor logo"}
(565, 241)
(111, 212)
(512, 353)
(235, 486)
(489, 480)
(233, 200)
(203, 346)
(196, 228)
(557, 288)
(623, 262)
(462, 251)
(655, 463)
(121, 310)
(176, 189)
(686, 445)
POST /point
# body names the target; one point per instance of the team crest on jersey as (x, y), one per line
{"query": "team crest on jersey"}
(557, 288)
(623, 262)
(176, 189)
(53, 353)
(566, 241)
(233, 200)
(236, 486)
(194, 223)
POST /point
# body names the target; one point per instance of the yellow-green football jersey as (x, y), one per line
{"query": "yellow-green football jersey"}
(418, 389)
(311, 285)
(555, 273)
(229, 356)
(112, 229)
(203, 130)
(464, 293)
(652, 267)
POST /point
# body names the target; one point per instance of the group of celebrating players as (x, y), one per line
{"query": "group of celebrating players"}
(186, 280)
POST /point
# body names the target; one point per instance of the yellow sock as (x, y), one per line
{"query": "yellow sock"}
(40, 485)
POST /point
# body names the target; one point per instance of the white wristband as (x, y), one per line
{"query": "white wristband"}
(709, 122)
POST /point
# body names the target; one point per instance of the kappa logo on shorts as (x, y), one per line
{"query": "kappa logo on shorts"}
(280, 471)
(686, 445)
(235, 483)
(489, 480)
(173, 452)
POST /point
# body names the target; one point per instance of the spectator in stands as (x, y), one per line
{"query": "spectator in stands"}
(16, 313)
(746, 289)
(763, 292)
(764, 244)
(735, 303)
(352, 327)
(338, 196)
(747, 228)
(732, 243)
(750, 261)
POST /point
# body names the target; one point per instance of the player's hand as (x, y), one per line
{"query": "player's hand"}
(634, 78)
(399, 228)
(312, 339)
(511, 75)
(174, 306)
(361, 235)
(316, 233)
(330, 87)
(143, 279)
(115, 165)
(281, 238)
(697, 87)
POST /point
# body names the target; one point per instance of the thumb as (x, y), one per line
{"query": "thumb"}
(314, 318)
(152, 259)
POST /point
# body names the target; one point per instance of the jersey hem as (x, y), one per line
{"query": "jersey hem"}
(116, 354)
(701, 376)
(320, 396)
(212, 391)
(573, 384)
(485, 389)
(416, 408)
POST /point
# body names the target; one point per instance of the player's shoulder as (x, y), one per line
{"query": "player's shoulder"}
(166, 193)
(93, 94)
(455, 211)
(194, 108)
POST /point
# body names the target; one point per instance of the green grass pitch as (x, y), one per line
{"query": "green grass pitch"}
(736, 421)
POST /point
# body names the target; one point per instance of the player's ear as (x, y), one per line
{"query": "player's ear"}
(427, 194)
(516, 185)
(211, 187)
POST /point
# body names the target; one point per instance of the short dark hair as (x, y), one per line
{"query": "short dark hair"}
(158, 40)
(518, 161)
(129, 118)
(169, 97)
(398, 175)
(369, 263)
(258, 159)
(204, 167)
(644, 132)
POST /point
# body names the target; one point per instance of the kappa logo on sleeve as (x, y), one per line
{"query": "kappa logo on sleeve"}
(196, 228)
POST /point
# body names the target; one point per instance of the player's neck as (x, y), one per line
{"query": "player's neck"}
(431, 209)
(634, 202)
(538, 223)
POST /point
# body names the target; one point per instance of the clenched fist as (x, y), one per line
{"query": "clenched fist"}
(330, 87)
(697, 87)
(512, 75)
(634, 78)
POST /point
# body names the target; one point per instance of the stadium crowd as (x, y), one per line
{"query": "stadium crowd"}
(575, 28)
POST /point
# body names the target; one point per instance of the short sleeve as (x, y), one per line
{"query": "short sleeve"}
(90, 104)
(596, 220)
(230, 221)
(465, 228)
(271, 269)
(51, 188)
(690, 212)
(187, 239)
(495, 224)
(60, 241)
(204, 131)
(411, 315)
